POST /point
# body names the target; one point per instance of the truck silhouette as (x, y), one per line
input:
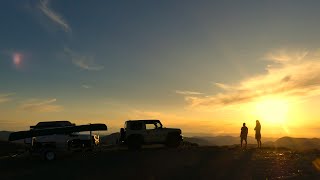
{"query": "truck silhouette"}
(138, 132)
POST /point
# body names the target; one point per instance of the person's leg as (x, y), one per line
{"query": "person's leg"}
(241, 140)
(259, 140)
(246, 142)
(260, 143)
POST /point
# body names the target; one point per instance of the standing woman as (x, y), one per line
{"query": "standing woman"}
(258, 133)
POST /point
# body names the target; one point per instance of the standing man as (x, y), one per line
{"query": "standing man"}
(244, 134)
(258, 133)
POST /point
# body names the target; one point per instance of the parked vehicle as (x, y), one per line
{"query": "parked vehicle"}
(51, 137)
(138, 132)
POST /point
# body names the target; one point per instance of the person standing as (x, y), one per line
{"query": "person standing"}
(244, 134)
(258, 133)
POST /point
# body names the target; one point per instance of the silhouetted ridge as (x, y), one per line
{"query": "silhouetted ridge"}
(4, 135)
(298, 143)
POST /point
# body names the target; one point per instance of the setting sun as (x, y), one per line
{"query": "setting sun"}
(272, 110)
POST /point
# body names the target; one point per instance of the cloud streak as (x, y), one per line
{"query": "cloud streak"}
(42, 106)
(188, 92)
(53, 16)
(142, 114)
(84, 62)
(291, 74)
(5, 97)
(85, 86)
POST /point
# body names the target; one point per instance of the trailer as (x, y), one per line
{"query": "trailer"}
(50, 138)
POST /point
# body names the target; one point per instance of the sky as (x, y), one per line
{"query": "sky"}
(203, 66)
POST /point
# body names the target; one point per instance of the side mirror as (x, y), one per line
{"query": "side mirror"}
(121, 130)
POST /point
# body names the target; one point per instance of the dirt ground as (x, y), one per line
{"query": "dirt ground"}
(162, 163)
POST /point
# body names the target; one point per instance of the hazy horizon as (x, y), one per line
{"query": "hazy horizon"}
(203, 66)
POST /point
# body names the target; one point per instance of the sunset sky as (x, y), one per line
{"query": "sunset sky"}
(203, 66)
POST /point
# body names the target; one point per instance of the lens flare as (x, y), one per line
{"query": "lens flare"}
(17, 59)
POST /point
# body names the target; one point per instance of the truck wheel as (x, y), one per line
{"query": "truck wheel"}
(49, 155)
(173, 141)
(134, 143)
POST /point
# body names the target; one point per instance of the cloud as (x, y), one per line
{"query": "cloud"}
(291, 74)
(284, 56)
(151, 114)
(5, 97)
(83, 62)
(42, 106)
(141, 114)
(223, 86)
(8, 122)
(188, 92)
(53, 16)
(86, 86)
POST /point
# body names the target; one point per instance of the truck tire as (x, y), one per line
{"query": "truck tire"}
(49, 155)
(134, 142)
(173, 140)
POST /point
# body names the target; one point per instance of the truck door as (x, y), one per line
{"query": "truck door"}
(151, 133)
(160, 132)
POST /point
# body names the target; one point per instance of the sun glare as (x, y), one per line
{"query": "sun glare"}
(272, 110)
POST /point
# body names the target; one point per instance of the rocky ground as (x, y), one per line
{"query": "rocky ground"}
(162, 163)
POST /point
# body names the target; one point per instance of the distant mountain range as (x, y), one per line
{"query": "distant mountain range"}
(222, 140)
(287, 142)
(4, 135)
(298, 143)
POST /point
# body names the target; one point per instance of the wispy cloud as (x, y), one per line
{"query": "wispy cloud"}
(291, 74)
(223, 86)
(53, 16)
(42, 106)
(82, 61)
(188, 92)
(151, 114)
(86, 86)
(142, 114)
(6, 97)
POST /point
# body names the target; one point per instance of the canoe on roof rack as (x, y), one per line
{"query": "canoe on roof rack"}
(60, 130)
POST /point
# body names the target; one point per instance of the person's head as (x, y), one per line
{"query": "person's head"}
(244, 124)
(257, 122)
